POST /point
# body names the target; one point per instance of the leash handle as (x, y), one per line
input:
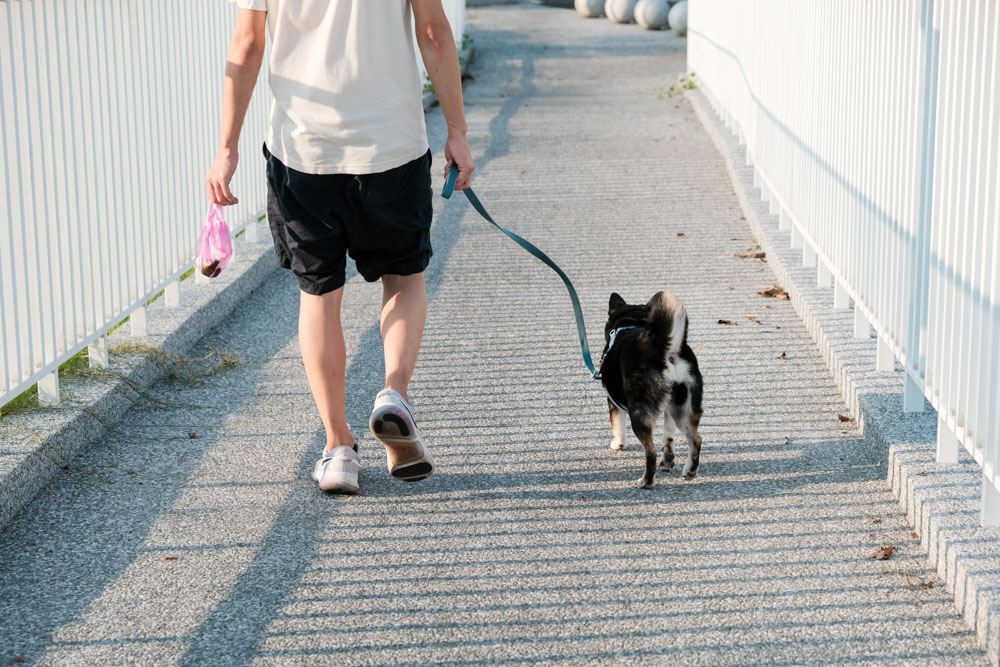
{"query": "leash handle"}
(581, 330)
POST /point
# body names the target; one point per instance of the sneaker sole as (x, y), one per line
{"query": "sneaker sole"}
(342, 488)
(407, 460)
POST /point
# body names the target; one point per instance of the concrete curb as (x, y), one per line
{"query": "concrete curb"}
(36, 445)
(941, 501)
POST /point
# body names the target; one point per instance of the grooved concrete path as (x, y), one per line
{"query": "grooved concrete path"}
(531, 543)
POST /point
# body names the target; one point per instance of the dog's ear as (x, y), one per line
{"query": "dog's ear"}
(615, 303)
(656, 299)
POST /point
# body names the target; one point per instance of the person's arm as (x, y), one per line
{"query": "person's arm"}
(437, 47)
(246, 52)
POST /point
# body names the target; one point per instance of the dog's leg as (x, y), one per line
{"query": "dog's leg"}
(691, 465)
(669, 428)
(617, 428)
(644, 431)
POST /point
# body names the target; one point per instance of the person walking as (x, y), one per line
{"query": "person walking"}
(348, 172)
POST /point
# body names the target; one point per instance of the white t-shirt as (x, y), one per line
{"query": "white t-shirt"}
(347, 98)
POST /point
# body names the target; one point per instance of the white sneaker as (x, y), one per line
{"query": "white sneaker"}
(337, 471)
(392, 423)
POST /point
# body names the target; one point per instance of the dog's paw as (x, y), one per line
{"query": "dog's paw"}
(690, 474)
(617, 446)
(643, 484)
(667, 465)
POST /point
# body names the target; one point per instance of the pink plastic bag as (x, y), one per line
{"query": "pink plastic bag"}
(215, 246)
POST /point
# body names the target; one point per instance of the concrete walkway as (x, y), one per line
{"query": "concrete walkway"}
(531, 543)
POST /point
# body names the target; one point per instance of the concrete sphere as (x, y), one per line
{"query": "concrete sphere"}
(620, 11)
(589, 9)
(652, 14)
(678, 18)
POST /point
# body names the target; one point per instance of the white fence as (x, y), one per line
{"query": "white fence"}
(109, 119)
(874, 132)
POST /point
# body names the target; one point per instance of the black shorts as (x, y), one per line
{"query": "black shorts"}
(382, 220)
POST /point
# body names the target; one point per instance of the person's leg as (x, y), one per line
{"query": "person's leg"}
(404, 310)
(321, 341)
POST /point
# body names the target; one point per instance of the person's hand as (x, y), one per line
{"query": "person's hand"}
(218, 178)
(456, 151)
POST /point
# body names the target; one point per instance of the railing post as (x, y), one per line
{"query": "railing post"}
(251, 231)
(913, 394)
(989, 513)
(784, 221)
(48, 389)
(886, 361)
(823, 275)
(172, 294)
(138, 322)
(808, 255)
(97, 353)
(947, 443)
(841, 300)
(796, 239)
(861, 327)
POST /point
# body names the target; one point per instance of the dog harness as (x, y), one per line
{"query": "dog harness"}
(612, 337)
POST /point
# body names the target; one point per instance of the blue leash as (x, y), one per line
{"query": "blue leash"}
(449, 188)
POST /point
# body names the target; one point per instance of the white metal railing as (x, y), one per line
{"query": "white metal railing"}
(109, 118)
(874, 132)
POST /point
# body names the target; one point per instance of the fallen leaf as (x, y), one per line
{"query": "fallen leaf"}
(910, 578)
(777, 327)
(844, 418)
(754, 255)
(728, 323)
(581, 498)
(782, 356)
(680, 233)
(776, 292)
(754, 319)
(169, 558)
(192, 435)
(881, 554)
(787, 440)
(876, 520)
(921, 474)
(19, 658)
(914, 536)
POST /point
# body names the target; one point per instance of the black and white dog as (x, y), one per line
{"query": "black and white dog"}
(648, 370)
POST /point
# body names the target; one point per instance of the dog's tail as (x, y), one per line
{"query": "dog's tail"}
(668, 323)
